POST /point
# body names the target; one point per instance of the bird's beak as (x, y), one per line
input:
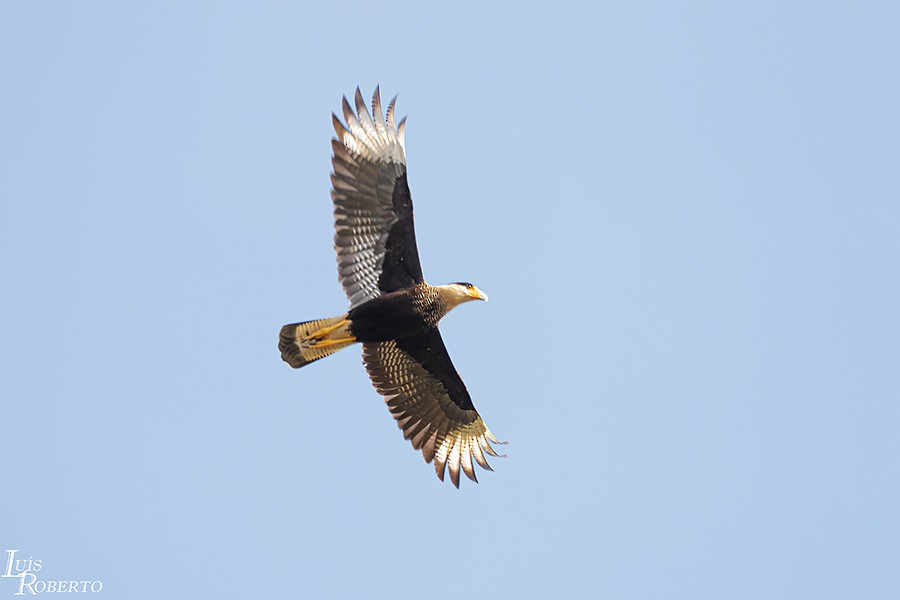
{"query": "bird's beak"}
(477, 294)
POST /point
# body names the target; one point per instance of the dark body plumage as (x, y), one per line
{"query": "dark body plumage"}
(393, 312)
(402, 314)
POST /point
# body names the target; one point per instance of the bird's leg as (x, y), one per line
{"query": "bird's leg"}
(327, 343)
(318, 334)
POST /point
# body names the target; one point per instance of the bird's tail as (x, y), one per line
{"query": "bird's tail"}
(303, 343)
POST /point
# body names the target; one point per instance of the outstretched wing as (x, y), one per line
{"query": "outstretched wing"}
(430, 402)
(374, 236)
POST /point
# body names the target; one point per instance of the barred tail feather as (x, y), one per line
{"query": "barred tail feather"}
(303, 343)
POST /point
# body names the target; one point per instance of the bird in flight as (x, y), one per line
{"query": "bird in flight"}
(393, 312)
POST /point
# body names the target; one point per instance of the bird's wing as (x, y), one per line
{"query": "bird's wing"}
(374, 236)
(430, 402)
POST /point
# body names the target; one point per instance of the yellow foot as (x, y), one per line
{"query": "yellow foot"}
(321, 333)
(327, 343)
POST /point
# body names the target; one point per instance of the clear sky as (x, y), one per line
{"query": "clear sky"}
(687, 218)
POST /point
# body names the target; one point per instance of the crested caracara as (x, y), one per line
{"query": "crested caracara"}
(393, 312)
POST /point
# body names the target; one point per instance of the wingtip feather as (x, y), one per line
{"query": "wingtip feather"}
(339, 128)
(454, 462)
(376, 108)
(390, 112)
(479, 456)
(347, 110)
(368, 134)
(358, 100)
(466, 462)
(401, 132)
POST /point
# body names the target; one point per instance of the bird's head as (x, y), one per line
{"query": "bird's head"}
(457, 293)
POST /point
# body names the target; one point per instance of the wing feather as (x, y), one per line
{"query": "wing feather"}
(374, 231)
(430, 403)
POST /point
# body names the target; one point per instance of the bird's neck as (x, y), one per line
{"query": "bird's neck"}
(450, 296)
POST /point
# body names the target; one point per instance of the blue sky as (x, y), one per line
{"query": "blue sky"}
(686, 218)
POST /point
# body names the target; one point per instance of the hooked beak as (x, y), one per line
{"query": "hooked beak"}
(477, 294)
